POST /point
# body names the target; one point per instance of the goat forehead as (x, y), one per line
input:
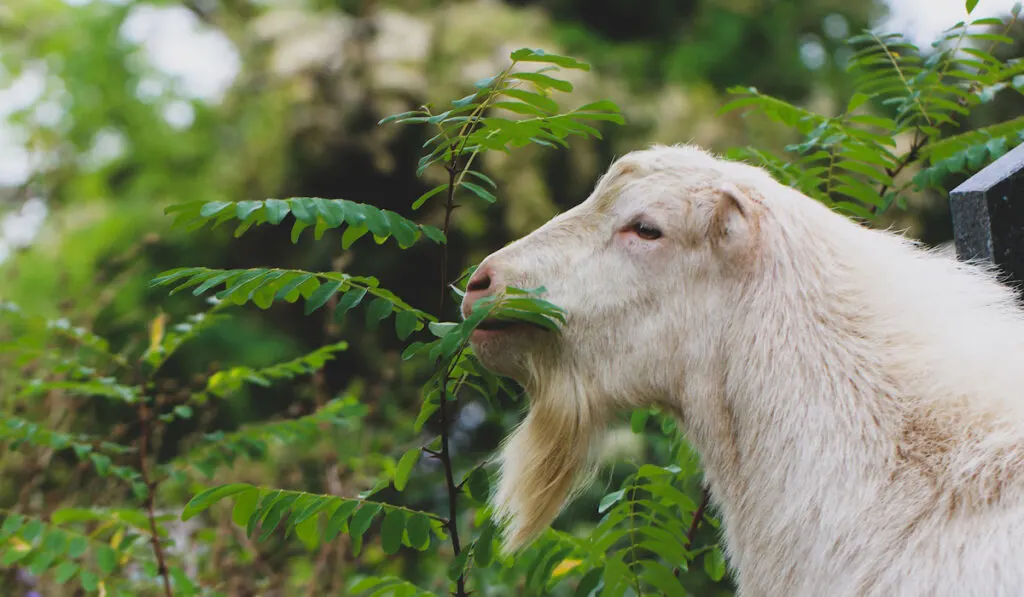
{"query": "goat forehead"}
(662, 191)
(671, 179)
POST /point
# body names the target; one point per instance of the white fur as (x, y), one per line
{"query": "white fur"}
(857, 400)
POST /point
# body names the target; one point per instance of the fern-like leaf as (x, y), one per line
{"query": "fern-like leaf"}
(320, 214)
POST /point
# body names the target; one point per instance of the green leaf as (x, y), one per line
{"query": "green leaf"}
(377, 222)
(41, 562)
(531, 55)
(211, 282)
(543, 81)
(213, 208)
(545, 104)
(441, 328)
(478, 484)
(211, 496)
(970, 5)
(106, 559)
(434, 233)
(306, 531)
(338, 518)
(297, 229)
(479, 191)
(304, 209)
(520, 108)
(418, 529)
(289, 291)
(423, 198)
(90, 582)
(662, 578)
(411, 350)
(405, 324)
(11, 556)
(638, 420)
(12, 523)
(483, 551)
(102, 463)
(588, 583)
(428, 408)
(352, 234)
(378, 310)
(244, 209)
(65, 572)
(404, 231)
(391, 531)
(405, 466)
(77, 546)
(363, 518)
(245, 505)
(276, 210)
(458, 566)
(483, 177)
(322, 294)
(714, 564)
(976, 156)
(610, 500)
(465, 101)
(349, 300)
(308, 507)
(398, 116)
(272, 516)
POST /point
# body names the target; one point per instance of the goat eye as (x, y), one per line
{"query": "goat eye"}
(646, 231)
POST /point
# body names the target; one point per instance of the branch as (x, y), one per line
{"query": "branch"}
(444, 455)
(697, 517)
(158, 550)
(915, 151)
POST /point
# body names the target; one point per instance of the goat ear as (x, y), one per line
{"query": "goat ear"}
(734, 219)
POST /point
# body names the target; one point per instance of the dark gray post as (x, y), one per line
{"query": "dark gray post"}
(988, 215)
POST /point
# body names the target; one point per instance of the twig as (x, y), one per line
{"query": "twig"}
(915, 150)
(478, 466)
(444, 455)
(697, 517)
(158, 550)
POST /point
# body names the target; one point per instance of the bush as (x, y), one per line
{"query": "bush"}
(652, 534)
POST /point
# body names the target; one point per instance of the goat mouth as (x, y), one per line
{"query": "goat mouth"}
(496, 325)
(493, 325)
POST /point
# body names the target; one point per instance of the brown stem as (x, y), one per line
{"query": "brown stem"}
(444, 455)
(915, 150)
(449, 207)
(697, 517)
(151, 485)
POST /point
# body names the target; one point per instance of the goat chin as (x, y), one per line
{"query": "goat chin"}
(547, 459)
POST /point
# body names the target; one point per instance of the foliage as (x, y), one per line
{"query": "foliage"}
(853, 161)
(94, 547)
(511, 109)
(409, 513)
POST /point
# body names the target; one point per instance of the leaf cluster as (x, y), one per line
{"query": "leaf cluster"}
(904, 116)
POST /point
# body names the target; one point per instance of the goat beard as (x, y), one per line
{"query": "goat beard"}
(547, 460)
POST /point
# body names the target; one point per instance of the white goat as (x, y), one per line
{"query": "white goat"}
(856, 399)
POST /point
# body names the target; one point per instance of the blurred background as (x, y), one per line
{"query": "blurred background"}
(111, 110)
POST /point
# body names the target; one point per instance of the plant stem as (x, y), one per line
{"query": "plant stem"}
(911, 155)
(444, 455)
(697, 517)
(158, 550)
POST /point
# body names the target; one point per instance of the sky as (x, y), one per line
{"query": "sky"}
(204, 64)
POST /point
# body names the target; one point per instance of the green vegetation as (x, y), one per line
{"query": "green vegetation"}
(336, 439)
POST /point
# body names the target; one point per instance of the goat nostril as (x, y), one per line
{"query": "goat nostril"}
(479, 281)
